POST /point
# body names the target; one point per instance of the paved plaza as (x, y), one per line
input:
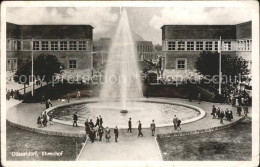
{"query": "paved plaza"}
(129, 147)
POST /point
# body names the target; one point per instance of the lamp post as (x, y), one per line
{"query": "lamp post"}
(32, 67)
(220, 73)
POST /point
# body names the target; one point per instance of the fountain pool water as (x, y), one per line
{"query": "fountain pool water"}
(146, 111)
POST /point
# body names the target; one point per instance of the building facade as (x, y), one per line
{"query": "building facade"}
(101, 48)
(71, 44)
(182, 44)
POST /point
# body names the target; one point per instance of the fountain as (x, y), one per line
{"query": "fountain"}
(122, 91)
(122, 72)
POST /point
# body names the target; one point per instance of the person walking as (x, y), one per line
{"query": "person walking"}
(97, 122)
(48, 103)
(12, 93)
(246, 111)
(239, 110)
(129, 126)
(221, 116)
(100, 132)
(152, 126)
(107, 134)
(100, 120)
(178, 124)
(42, 99)
(140, 129)
(230, 115)
(75, 119)
(68, 97)
(116, 133)
(92, 135)
(214, 111)
(39, 122)
(78, 95)
(45, 119)
(218, 112)
(87, 129)
(199, 98)
(175, 122)
(51, 118)
(91, 124)
(8, 95)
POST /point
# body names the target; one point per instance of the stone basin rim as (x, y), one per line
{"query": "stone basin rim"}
(158, 100)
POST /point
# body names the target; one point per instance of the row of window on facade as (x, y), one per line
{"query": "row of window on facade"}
(208, 45)
(144, 48)
(11, 64)
(48, 45)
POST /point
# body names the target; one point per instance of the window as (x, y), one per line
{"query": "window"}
(8, 45)
(45, 45)
(63, 45)
(181, 45)
(19, 45)
(248, 45)
(171, 45)
(208, 45)
(190, 45)
(82, 45)
(54, 45)
(199, 45)
(181, 64)
(227, 45)
(72, 64)
(36, 45)
(216, 45)
(73, 45)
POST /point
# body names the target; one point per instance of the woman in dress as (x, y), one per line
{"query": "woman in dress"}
(107, 133)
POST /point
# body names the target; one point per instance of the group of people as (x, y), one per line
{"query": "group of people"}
(140, 133)
(42, 120)
(46, 101)
(176, 123)
(219, 113)
(96, 131)
(15, 94)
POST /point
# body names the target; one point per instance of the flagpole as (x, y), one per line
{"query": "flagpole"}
(220, 73)
(32, 64)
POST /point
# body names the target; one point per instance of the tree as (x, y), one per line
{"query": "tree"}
(23, 74)
(231, 66)
(45, 66)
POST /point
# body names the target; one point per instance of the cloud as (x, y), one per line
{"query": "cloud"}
(210, 15)
(102, 19)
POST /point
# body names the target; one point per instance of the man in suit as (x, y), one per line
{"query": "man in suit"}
(129, 126)
(100, 120)
(75, 118)
(97, 122)
(140, 129)
(116, 133)
(152, 127)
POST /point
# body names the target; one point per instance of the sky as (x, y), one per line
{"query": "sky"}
(145, 21)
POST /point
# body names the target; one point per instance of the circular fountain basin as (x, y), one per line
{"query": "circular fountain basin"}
(145, 111)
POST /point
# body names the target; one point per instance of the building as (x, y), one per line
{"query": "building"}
(182, 44)
(71, 44)
(101, 47)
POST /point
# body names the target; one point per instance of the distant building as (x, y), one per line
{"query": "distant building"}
(71, 44)
(101, 46)
(182, 44)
